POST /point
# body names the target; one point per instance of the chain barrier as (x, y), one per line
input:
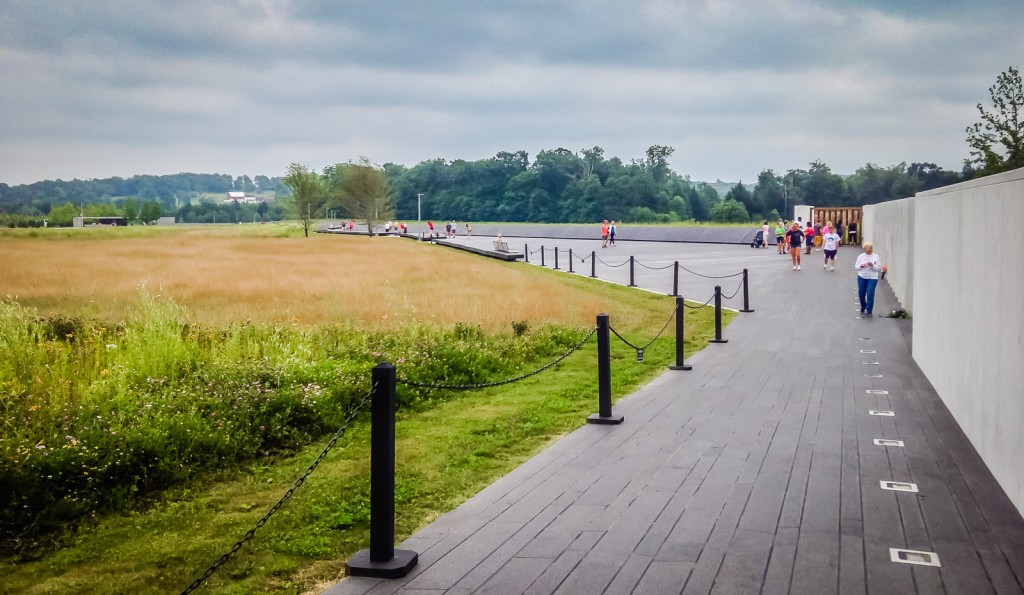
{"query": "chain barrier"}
(581, 258)
(704, 305)
(650, 268)
(710, 276)
(500, 382)
(738, 288)
(288, 494)
(649, 343)
(610, 265)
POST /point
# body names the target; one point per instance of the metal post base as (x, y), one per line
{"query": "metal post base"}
(608, 421)
(746, 310)
(397, 567)
(683, 367)
(718, 341)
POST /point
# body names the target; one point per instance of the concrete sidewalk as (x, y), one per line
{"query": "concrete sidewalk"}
(756, 471)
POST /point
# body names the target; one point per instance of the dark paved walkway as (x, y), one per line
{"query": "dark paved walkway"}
(754, 472)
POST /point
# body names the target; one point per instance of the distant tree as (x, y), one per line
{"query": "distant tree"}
(307, 193)
(150, 211)
(656, 162)
(730, 211)
(62, 215)
(262, 209)
(997, 142)
(263, 183)
(740, 194)
(130, 209)
(768, 191)
(362, 189)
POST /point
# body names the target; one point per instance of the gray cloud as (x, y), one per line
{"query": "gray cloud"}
(125, 87)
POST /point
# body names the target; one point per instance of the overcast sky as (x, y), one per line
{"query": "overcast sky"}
(117, 88)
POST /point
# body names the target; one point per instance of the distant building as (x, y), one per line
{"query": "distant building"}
(97, 221)
(243, 198)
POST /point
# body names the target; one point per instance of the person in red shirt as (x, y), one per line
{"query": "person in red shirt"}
(604, 234)
(809, 237)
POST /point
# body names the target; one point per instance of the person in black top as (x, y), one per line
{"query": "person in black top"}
(795, 236)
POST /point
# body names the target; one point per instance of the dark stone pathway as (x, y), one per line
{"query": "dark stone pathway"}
(756, 471)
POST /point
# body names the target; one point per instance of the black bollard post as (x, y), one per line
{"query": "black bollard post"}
(526, 251)
(680, 335)
(570, 260)
(675, 278)
(542, 256)
(631, 283)
(556, 258)
(382, 560)
(593, 264)
(604, 376)
(718, 316)
(746, 296)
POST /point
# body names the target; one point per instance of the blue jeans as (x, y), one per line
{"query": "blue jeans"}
(866, 293)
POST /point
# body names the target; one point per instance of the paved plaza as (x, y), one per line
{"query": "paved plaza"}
(757, 471)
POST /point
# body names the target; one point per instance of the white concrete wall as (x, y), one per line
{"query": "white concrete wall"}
(968, 296)
(890, 227)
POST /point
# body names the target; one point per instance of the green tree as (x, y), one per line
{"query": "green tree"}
(361, 188)
(768, 191)
(997, 142)
(307, 193)
(730, 211)
(656, 161)
(62, 215)
(740, 194)
(130, 209)
(150, 211)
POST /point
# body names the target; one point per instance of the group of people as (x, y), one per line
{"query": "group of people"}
(802, 238)
(396, 227)
(607, 234)
(451, 229)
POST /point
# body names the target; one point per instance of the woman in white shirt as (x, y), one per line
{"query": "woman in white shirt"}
(867, 266)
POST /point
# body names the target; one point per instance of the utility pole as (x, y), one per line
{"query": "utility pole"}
(419, 214)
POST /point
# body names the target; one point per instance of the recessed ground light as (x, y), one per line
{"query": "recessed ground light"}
(876, 392)
(887, 442)
(899, 486)
(881, 413)
(868, 351)
(873, 376)
(870, 363)
(914, 557)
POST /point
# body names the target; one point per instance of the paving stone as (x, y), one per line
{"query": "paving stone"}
(753, 472)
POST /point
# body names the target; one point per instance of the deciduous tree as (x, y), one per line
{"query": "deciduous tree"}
(307, 192)
(997, 142)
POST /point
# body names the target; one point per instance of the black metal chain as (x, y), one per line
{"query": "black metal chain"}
(610, 265)
(581, 258)
(649, 343)
(738, 287)
(704, 305)
(273, 509)
(710, 276)
(656, 268)
(500, 382)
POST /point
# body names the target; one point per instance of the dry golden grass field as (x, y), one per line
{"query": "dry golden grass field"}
(222, 275)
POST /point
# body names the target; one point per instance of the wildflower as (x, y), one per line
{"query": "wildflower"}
(262, 428)
(40, 447)
(111, 346)
(33, 408)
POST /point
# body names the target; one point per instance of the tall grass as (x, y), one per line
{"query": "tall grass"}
(96, 415)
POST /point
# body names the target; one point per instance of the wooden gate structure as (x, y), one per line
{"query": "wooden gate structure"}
(846, 219)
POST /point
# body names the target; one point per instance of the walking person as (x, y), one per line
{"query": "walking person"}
(780, 237)
(611, 234)
(867, 266)
(469, 230)
(455, 228)
(796, 244)
(765, 232)
(448, 231)
(817, 234)
(809, 236)
(604, 234)
(830, 242)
